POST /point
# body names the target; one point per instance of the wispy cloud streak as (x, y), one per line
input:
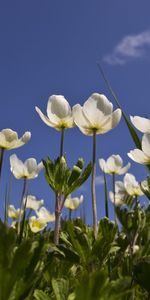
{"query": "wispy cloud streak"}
(130, 47)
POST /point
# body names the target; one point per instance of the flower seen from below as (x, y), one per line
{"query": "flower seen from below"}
(129, 187)
(120, 194)
(59, 114)
(142, 156)
(132, 186)
(96, 115)
(13, 212)
(27, 170)
(73, 203)
(113, 165)
(142, 124)
(9, 139)
(32, 202)
(45, 215)
(36, 224)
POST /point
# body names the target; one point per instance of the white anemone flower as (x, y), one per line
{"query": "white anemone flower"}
(142, 124)
(142, 156)
(59, 114)
(96, 115)
(14, 213)
(120, 194)
(132, 186)
(9, 139)
(36, 224)
(27, 170)
(113, 165)
(45, 215)
(32, 202)
(73, 203)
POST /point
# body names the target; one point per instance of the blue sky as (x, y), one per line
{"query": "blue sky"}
(52, 47)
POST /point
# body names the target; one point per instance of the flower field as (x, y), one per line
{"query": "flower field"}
(44, 256)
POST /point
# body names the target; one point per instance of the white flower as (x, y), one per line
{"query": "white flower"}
(45, 215)
(9, 139)
(59, 114)
(73, 203)
(113, 165)
(120, 193)
(132, 186)
(14, 213)
(142, 156)
(96, 115)
(29, 169)
(32, 202)
(142, 124)
(36, 224)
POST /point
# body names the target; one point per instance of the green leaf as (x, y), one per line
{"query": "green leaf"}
(105, 242)
(40, 295)
(60, 288)
(79, 181)
(141, 272)
(76, 171)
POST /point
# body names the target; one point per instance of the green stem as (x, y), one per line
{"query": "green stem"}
(7, 199)
(93, 186)
(57, 219)
(106, 197)
(21, 203)
(70, 214)
(114, 192)
(62, 142)
(1, 159)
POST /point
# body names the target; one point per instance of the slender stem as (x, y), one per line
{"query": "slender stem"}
(106, 197)
(21, 203)
(70, 214)
(62, 141)
(114, 192)
(58, 202)
(24, 216)
(1, 159)
(57, 219)
(7, 198)
(93, 185)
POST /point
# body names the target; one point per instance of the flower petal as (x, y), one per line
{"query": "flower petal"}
(102, 164)
(139, 156)
(45, 215)
(97, 103)
(17, 166)
(58, 108)
(146, 144)
(80, 119)
(124, 169)
(31, 168)
(110, 122)
(114, 163)
(142, 124)
(44, 118)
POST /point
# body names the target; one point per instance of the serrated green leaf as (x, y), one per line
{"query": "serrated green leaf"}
(60, 288)
(40, 295)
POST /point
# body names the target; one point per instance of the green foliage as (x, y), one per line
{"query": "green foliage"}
(20, 265)
(142, 272)
(61, 178)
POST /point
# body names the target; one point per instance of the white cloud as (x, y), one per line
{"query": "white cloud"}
(130, 47)
(99, 180)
